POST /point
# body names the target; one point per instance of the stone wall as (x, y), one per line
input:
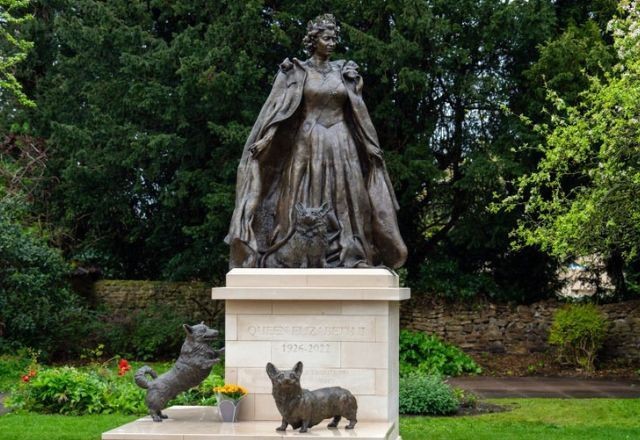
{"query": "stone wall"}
(190, 299)
(472, 326)
(504, 328)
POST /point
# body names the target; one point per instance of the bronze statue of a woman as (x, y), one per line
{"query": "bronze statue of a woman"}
(312, 187)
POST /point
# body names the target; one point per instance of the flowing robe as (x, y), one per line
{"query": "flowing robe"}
(260, 179)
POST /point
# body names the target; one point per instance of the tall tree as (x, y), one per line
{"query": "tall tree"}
(145, 106)
(441, 74)
(582, 198)
(13, 50)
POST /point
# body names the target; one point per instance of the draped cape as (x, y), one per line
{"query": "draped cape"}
(259, 178)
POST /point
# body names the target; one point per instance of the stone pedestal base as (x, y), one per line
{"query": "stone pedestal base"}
(343, 324)
(202, 423)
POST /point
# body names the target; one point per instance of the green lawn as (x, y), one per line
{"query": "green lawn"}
(53, 427)
(557, 419)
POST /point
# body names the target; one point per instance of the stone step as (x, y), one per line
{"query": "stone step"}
(373, 277)
(311, 293)
(203, 423)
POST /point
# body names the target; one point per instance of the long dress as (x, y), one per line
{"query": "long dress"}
(321, 152)
(324, 168)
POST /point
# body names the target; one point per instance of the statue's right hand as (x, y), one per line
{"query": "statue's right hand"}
(258, 147)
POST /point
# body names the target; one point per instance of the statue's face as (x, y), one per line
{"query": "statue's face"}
(326, 43)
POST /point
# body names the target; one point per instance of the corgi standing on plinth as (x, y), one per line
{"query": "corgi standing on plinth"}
(302, 408)
(192, 367)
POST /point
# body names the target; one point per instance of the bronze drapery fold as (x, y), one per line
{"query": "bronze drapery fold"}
(362, 204)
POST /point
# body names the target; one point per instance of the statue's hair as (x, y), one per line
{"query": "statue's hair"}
(315, 27)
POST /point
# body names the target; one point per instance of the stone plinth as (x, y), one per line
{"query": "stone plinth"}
(203, 423)
(343, 324)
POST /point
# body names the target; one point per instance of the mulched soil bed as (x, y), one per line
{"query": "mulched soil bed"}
(545, 364)
(478, 410)
(483, 408)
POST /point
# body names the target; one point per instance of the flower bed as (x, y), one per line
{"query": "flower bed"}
(94, 389)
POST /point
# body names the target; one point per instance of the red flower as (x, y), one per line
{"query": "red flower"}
(123, 367)
(26, 378)
(32, 373)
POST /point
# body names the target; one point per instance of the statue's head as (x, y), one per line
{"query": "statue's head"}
(322, 31)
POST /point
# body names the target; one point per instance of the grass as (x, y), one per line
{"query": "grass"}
(558, 419)
(28, 426)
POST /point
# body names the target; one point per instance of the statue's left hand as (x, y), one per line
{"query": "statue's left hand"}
(376, 154)
(350, 70)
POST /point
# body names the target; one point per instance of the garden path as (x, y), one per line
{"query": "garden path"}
(557, 387)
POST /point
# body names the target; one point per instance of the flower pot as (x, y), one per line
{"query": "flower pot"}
(228, 409)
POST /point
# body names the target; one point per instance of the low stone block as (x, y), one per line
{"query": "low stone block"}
(248, 307)
(364, 355)
(246, 353)
(373, 408)
(380, 308)
(382, 329)
(203, 423)
(231, 327)
(358, 381)
(306, 308)
(266, 409)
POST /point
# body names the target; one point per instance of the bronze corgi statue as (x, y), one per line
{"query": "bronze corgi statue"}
(302, 408)
(192, 367)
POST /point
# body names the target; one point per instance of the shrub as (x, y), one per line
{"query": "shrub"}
(95, 390)
(12, 367)
(426, 354)
(218, 368)
(201, 395)
(153, 333)
(426, 395)
(37, 309)
(65, 390)
(578, 331)
(465, 398)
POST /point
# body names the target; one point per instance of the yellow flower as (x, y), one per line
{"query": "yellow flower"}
(231, 391)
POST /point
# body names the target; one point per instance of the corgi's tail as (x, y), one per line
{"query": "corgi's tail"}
(141, 376)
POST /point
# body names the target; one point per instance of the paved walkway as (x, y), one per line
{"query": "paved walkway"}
(558, 387)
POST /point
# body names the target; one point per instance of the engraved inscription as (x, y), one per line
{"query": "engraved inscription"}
(306, 328)
(297, 331)
(314, 354)
(278, 330)
(305, 348)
